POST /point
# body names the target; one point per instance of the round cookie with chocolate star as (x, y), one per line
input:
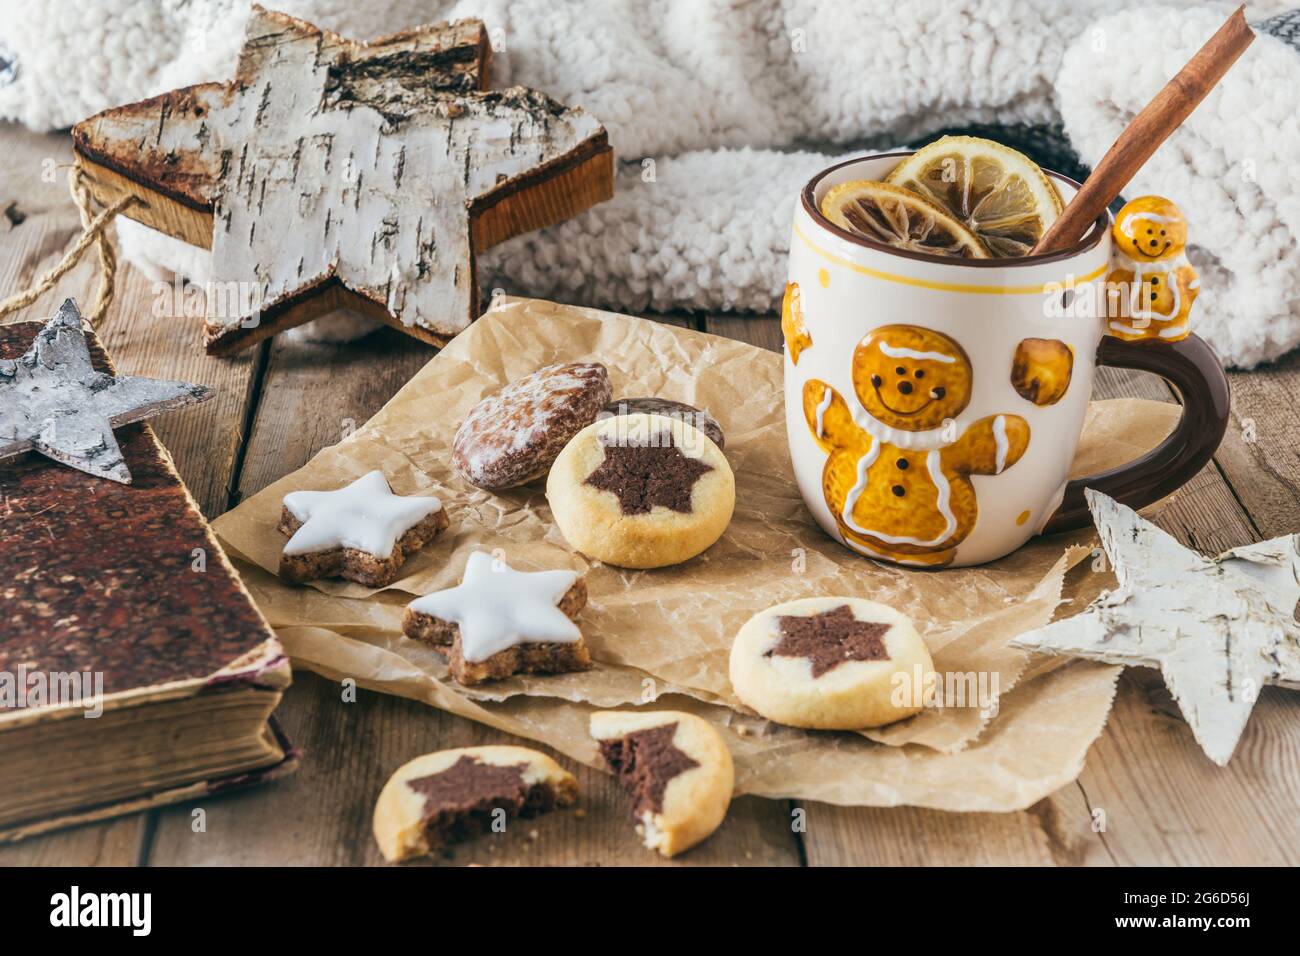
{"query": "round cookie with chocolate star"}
(452, 795)
(675, 769)
(641, 491)
(831, 663)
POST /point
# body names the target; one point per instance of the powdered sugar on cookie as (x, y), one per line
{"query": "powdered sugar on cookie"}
(365, 516)
(512, 437)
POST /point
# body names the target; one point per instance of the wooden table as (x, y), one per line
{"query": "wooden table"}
(278, 404)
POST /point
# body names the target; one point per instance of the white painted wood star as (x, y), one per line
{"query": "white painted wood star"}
(334, 173)
(54, 402)
(1218, 629)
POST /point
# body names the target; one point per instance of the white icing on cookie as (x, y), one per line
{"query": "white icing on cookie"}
(365, 515)
(899, 351)
(497, 607)
(824, 404)
(1000, 440)
(934, 464)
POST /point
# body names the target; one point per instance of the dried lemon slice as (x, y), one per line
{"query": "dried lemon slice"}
(900, 218)
(999, 194)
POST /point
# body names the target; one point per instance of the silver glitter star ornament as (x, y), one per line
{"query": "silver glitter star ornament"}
(54, 402)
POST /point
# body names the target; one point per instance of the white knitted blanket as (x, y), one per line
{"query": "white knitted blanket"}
(713, 107)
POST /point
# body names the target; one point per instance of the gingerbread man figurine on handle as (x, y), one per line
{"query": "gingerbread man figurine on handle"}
(1151, 286)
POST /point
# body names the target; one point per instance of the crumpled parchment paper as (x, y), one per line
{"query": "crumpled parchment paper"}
(662, 637)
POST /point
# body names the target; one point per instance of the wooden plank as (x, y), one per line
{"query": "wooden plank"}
(1260, 454)
(146, 336)
(111, 843)
(314, 393)
(1055, 831)
(321, 815)
(761, 330)
(1166, 804)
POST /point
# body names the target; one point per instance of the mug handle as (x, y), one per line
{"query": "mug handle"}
(1191, 366)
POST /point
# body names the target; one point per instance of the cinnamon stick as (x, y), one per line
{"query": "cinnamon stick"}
(1148, 130)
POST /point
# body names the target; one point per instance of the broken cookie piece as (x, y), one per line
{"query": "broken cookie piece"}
(452, 795)
(499, 621)
(362, 532)
(675, 769)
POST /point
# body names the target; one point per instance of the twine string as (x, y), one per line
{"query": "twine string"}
(93, 232)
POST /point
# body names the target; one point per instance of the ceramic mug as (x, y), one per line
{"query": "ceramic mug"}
(934, 405)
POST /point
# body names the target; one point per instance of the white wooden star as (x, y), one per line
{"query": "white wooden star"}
(1218, 629)
(497, 607)
(54, 402)
(334, 173)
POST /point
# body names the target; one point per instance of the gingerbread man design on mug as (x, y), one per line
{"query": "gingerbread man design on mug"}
(897, 476)
(1151, 286)
(983, 445)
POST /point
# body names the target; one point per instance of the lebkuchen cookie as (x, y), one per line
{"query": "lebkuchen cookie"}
(512, 436)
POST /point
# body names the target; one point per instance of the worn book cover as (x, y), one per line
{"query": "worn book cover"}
(117, 597)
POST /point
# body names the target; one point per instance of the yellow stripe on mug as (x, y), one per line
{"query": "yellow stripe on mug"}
(1044, 288)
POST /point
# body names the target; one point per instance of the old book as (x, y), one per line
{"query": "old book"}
(134, 668)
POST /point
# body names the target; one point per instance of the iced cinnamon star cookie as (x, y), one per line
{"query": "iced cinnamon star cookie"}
(362, 532)
(641, 491)
(675, 769)
(452, 795)
(499, 621)
(833, 663)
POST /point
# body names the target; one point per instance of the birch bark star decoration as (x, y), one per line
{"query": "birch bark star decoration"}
(334, 173)
(1218, 629)
(54, 402)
